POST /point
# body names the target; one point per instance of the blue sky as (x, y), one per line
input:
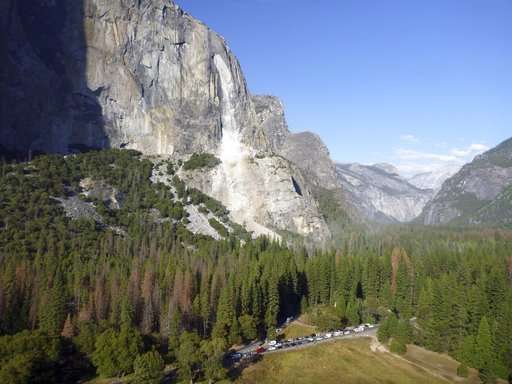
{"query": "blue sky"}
(421, 84)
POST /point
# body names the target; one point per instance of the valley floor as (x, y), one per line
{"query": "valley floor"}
(353, 361)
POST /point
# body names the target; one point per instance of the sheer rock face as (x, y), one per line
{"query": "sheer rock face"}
(143, 74)
(478, 189)
(307, 151)
(137, 74)
(380, 195)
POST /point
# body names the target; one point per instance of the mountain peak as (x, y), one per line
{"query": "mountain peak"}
(387, 167)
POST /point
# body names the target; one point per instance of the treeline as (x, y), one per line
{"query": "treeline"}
(158, 293)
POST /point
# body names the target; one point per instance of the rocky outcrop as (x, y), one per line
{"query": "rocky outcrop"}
(265, 194)
(145, 75)
(307, 151)
(380, 194)
(479, 186)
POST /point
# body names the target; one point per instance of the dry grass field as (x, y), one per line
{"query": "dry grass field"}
(352, 362)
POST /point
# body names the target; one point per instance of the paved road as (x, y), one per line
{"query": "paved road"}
(366, 333)
(369, 332)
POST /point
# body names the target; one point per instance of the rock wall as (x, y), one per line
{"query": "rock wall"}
(465, 196)
(145, 75)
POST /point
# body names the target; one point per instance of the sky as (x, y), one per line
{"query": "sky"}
(420, 84)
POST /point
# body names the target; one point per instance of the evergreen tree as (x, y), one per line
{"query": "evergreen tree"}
(52, 313)
(353, 313)
(272, 306)
(224, 316)
(188, 355)
(212, 352)
(148, 368)
(128, 346)
(484, 356)
(105, 354)
(86, 338)
(248, 327)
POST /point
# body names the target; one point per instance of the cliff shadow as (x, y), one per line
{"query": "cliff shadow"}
(45, 102)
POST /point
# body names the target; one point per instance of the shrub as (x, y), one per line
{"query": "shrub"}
(218, 227)
(398, 347)
(462, 370)
(148, 368)
(324, 317)
(28, 357)
(201, 160)
(115, 352)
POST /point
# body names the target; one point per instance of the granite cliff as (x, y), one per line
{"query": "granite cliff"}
(145, 75)
(480, 193)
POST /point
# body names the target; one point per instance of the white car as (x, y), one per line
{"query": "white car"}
(346, 333)
(272, 342)
(272, 348)
(328, 335)
(338, 333)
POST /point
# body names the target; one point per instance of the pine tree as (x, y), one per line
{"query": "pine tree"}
(224, 315)
(148, 368)
(272, 306)
(353, 313)
(174, 333)
(128, 346)
(212, 352)
(188, 356)
(105, 354)
(52, 310)
(248, 327)
(484, 354)
(341, 306)
(234, 332)
(467, 352)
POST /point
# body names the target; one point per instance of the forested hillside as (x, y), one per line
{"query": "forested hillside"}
(129, 288)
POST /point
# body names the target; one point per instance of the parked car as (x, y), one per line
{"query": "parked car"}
(260, 350)
(272, 342)
(235, 356)
(328, 335)
(346, 333)
(272, 348)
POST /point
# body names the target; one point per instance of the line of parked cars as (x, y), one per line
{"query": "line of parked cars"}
(275, 345)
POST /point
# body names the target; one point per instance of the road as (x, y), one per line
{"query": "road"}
(368, 332)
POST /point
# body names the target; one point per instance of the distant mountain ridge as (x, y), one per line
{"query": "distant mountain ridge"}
(480, 193)
(380, 194)
(433, 179)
